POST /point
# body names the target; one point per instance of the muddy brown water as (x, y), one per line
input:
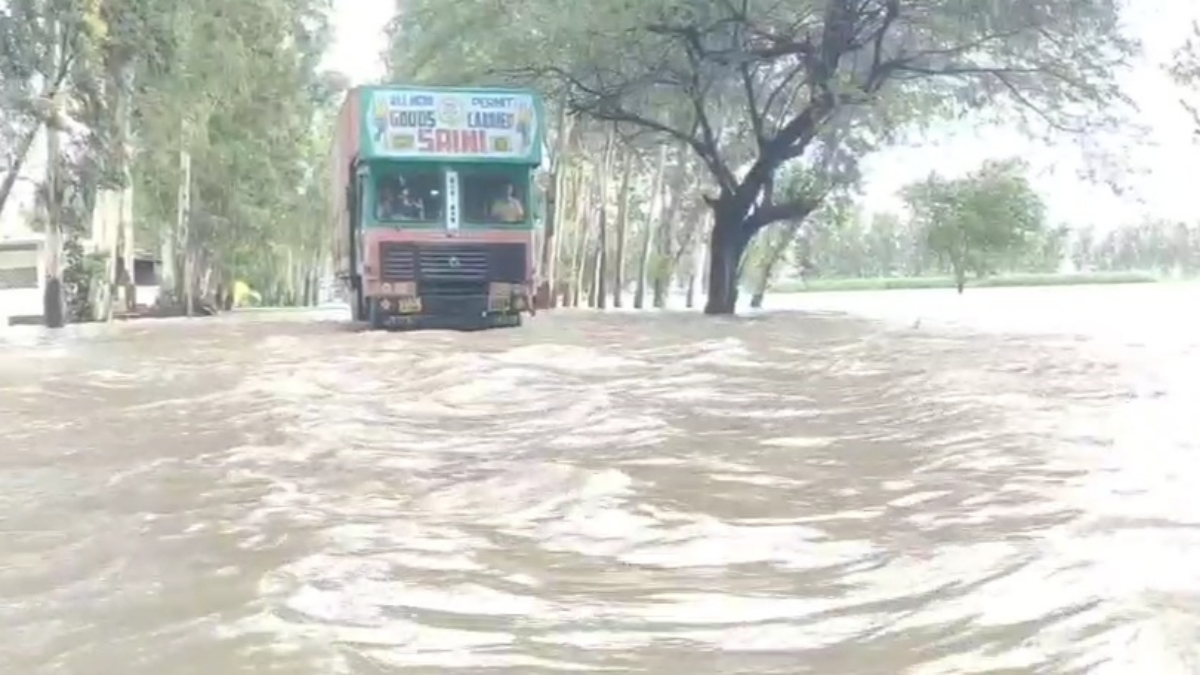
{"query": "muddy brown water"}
(789, 493)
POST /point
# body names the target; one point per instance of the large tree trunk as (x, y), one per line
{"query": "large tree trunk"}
(729, 241)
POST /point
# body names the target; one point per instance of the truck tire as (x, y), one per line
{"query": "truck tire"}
(374, 318)
(358, 304)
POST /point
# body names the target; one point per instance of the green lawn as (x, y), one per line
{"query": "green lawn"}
(1000, 281)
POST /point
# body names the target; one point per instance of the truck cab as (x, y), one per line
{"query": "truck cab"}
(437, 205)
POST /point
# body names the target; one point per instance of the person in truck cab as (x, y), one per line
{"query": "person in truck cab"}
(386, 205)
(508, 209)
(408, 207)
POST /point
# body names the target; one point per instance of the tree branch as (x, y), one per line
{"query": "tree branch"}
(795, 209)
(752, 109)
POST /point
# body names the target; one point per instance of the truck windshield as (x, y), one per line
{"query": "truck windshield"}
(409, 195)
(494, 196)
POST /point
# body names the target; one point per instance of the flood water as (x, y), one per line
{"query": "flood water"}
(949, 487)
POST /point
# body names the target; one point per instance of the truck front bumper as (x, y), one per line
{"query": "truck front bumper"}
(447, 312)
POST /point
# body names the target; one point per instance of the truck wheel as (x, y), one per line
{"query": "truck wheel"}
(352, 299)
(374, 317)
(358, 304)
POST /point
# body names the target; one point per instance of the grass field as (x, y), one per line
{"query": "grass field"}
(1000, 281)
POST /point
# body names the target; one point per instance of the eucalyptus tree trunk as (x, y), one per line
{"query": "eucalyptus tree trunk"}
(53, 309)
(124, 74)
(699, 254)
(603, 183)
(664, 244)
(583, 230)
(778, 242)
(627, 166)
(183, 216)
(656, 209)
(555, 209)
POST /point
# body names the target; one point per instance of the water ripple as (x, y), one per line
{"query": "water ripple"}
(784, 494)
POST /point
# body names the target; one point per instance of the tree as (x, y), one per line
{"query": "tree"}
(224, 148)
(39, 41)
(974, 222)
(749, 86)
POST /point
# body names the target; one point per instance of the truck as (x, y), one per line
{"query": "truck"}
(434, 195)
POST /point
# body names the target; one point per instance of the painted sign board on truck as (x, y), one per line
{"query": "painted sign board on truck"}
(452, 125)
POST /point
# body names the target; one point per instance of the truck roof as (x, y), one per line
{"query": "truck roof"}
(358, 89)
(437, 88)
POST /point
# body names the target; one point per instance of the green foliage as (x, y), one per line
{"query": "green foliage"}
(993, 212)
(768, 82)
(255, 117)
(1185, 71)
(974, 222)
(943, 282)
(234, 85)
(1159, 246)
(751, 89)
(887, 251)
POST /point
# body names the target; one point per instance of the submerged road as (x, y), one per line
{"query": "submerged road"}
(788, 493)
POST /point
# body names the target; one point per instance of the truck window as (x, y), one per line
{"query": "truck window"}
(409, 195)
(499, 197)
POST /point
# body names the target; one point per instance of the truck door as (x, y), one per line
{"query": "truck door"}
(356, 204)
(361, 200)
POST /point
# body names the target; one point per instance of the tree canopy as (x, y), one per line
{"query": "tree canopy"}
(974, 221)
(749, 86)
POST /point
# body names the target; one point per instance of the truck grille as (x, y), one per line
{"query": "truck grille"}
(397, 264)
(402, 261)
(459, 262)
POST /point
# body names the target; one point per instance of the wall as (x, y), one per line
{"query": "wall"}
(20, 280)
